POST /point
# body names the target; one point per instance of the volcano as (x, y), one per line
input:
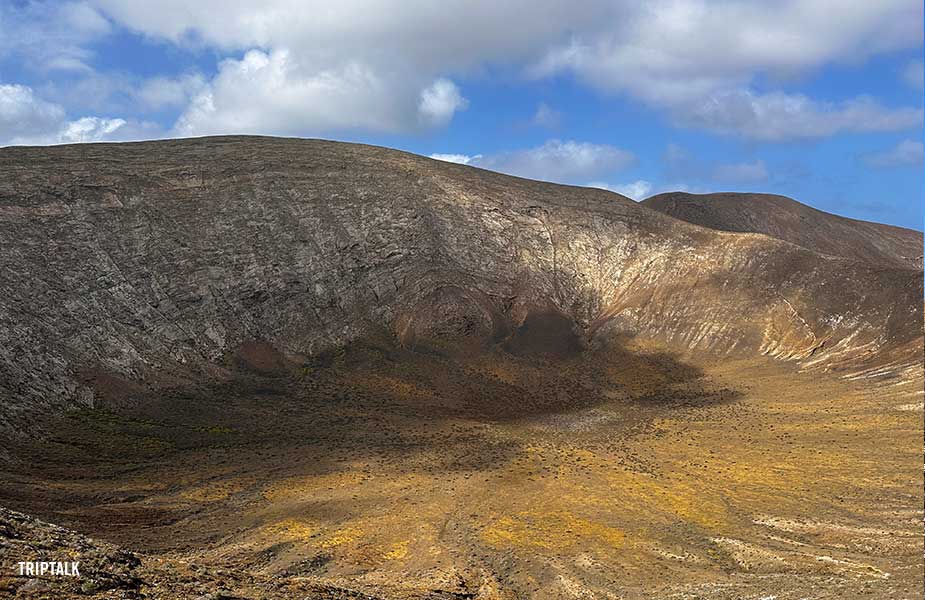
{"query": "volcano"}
(281, 368)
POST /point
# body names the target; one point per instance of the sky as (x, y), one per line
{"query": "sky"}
(819, 100)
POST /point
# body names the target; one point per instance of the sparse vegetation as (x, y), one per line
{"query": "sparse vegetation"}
(338, 371)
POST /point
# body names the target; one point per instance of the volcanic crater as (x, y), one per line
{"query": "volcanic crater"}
(250, 367)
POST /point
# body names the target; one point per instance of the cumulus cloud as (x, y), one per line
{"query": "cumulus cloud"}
(359, 65)
(89, 129)
(275, 93)
(637, 190)
(671, 48)
(23, 114)
(427, 36)
(746, 172)
(678, 55)
(555, 160)
(292, 67)
(778, 116)
(914, 74)
(546, 116)
(905, 154)
(51, 36)
(681, 164)
(558, 161)
(462, 159)
(27, 119)
(439, 101)
(684, 57)
(164, 92)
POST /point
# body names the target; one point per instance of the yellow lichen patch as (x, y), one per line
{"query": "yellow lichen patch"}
(341, 536)
(645, 494)
(582, 454)
(550, 531)
(640, 495)
(694, 506)
(213, 492)
(308, 486)
(499, 368)
(398, 551)
(384, 384)
(291, 529)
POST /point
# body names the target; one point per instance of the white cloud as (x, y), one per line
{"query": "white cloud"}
(641, 189)
(51, 36)
(906, 153)
(161, 92)
(22, 113)
(359, 65)
(421, 35)
(439, 101)
(671, 48)
(89, 129)
(555, 160)
(563, 162)
(681, 164)
(546, 116)
(747, 172)
(914, 74)
(27, 119)
(679, 55)
(296, 67)
(698, 60)
(637, 190)
(81, 18)
(462, 159)
(778, 116)
(274, 93)
(612, 43)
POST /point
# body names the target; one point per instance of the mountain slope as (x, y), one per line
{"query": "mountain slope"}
(787, 219)
(280, 368)
(154, 261)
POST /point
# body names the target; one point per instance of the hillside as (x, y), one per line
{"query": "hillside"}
(151, 261)
(789, 220)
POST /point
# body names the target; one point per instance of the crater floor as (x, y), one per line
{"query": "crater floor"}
(623, 472)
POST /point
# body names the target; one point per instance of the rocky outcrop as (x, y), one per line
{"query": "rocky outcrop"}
(104, 570)
(100, 567)
(154, 262)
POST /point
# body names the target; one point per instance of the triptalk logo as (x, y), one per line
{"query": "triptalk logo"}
(55, 568)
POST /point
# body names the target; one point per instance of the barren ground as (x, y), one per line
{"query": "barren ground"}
(610, 473)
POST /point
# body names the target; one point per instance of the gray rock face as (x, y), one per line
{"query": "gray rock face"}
(152, 261)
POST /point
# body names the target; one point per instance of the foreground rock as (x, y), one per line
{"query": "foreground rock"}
(107, 571)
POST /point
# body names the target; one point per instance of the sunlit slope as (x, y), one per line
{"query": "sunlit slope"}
(154, 261)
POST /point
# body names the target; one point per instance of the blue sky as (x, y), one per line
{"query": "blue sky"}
(820, 100)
